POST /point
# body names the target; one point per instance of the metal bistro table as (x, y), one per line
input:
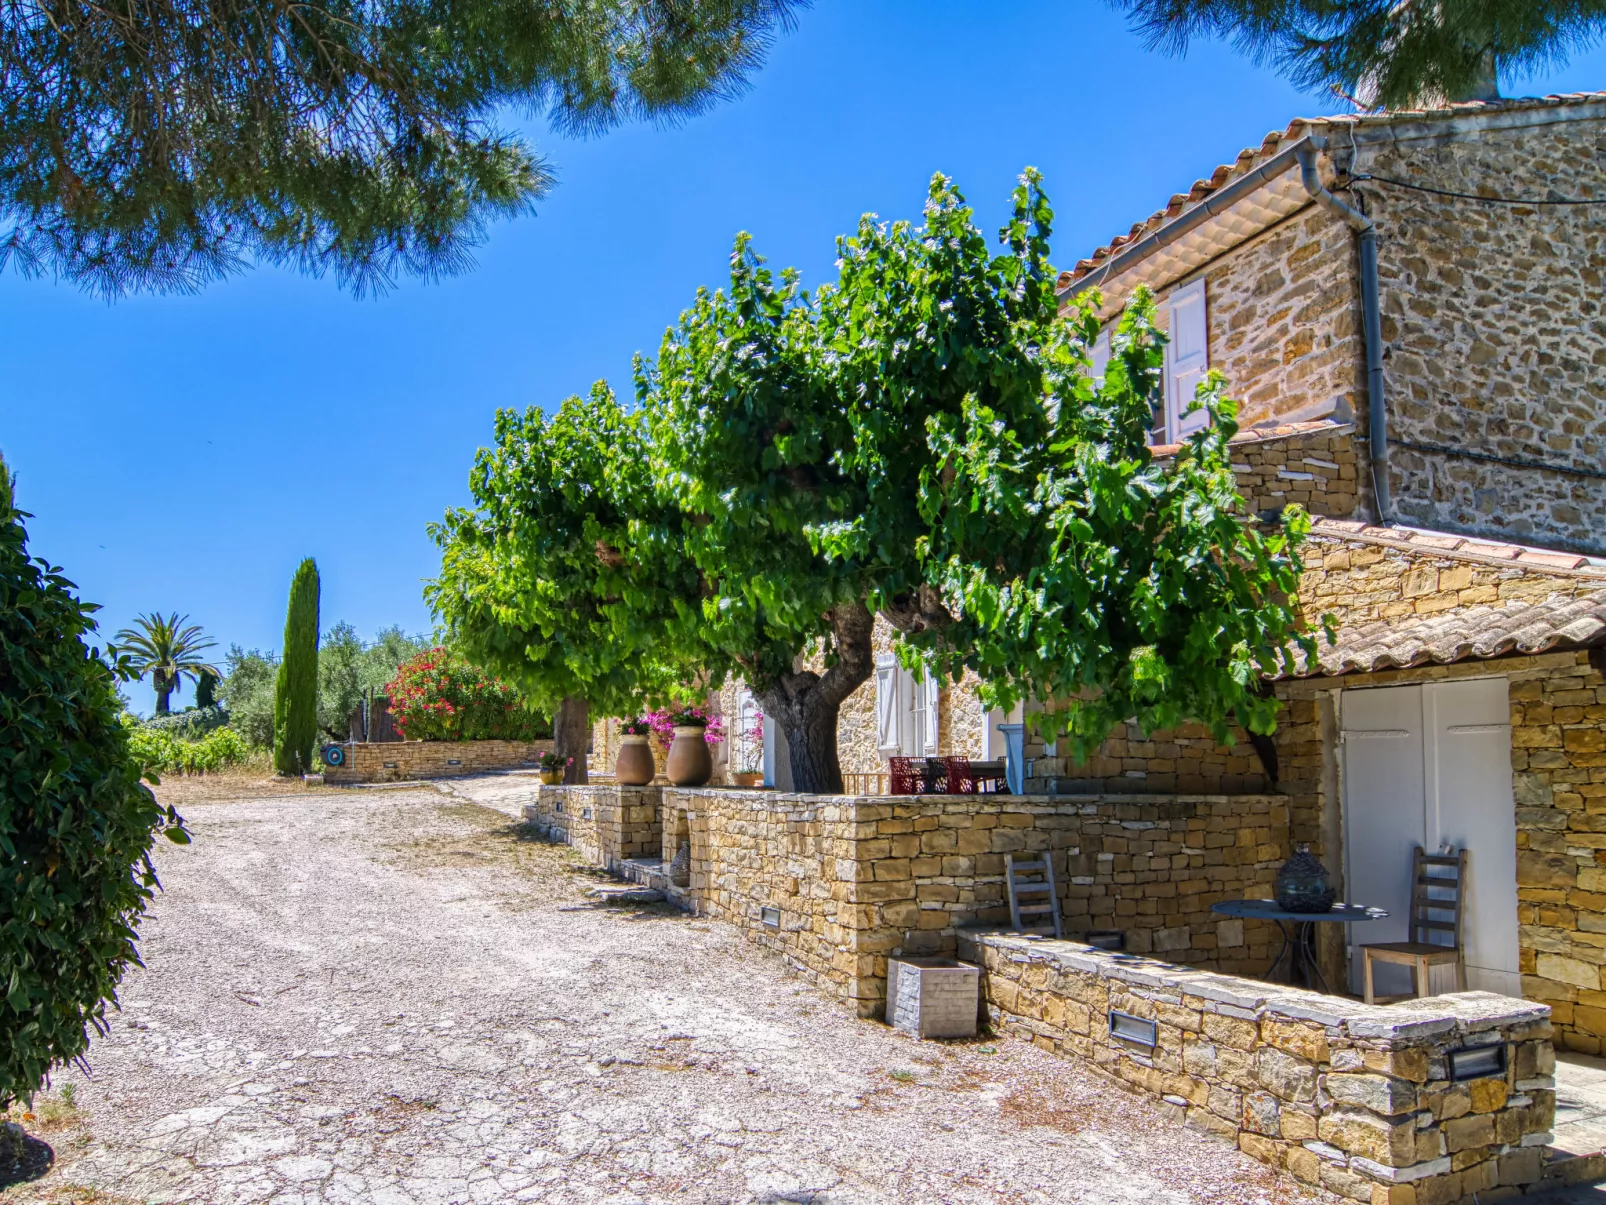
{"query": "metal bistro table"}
(1299, 945)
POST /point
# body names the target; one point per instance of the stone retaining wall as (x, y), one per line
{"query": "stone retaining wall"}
(607, 824)
(840, 884)
(407, 761)
(1359, 1099)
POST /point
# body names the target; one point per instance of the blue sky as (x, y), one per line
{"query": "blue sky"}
(184, 453)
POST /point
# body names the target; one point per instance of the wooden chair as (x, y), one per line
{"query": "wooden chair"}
(1422, 952)
(904, 779)
(961, 781)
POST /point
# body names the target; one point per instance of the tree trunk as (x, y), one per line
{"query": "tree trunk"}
(164, 690)
(571, 733)
(805, 704)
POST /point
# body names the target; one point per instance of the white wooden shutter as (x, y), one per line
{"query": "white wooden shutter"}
(927, 698)
(1186, 360)
(889, 705)
(1101, 356)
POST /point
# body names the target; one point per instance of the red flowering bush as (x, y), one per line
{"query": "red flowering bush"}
(438, 696)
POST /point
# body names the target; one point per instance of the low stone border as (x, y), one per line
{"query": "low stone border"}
(409, 761)
(1358, 1098)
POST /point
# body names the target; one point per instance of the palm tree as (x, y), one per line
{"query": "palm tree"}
(167, 650)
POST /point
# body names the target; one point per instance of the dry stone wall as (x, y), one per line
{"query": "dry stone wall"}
(607, 824)
(839, 885)
(408, 761)
(1358, 1099)
(1492, 316)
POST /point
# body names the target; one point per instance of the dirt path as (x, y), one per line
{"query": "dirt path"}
(395, 997)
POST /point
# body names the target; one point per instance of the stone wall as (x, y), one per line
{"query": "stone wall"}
(1492, 316)
(854, 881)
(1558, 763)
(1283, 311)
(1358, 1099)
(1361, 574)
(607, 824)
(407, 761)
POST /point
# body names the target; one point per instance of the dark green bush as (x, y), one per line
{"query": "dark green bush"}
(189, 725)
(76, 822)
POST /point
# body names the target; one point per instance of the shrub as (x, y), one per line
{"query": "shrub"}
(76, 822)
(295, 695)
(163, 752)
(664, 723)
(191, 724)
(439, 696)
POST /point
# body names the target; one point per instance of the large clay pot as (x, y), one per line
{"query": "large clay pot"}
(690, 764)
(635, 766)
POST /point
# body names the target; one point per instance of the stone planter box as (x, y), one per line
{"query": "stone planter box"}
(933, 997)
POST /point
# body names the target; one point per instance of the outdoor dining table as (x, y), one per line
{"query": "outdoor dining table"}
(1299, 943)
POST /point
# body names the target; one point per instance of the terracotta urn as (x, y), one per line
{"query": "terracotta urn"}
(634, 767)
(690, 764)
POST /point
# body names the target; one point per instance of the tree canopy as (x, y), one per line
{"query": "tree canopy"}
(164, 144)
(920, 439)
(1387, 53)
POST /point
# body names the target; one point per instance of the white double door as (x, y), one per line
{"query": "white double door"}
(1430, 765)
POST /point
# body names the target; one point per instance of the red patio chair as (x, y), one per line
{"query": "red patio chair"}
(961, 781)
(904, 778)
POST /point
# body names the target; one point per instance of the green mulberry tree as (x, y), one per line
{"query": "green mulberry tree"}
(295, 697)
(76, 822)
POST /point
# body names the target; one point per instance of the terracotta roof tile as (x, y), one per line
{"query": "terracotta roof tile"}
(1474, 632)
(1251, 157)
(1458, 547)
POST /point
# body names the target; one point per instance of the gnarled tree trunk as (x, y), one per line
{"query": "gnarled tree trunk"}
(805, 704)
(571, 733)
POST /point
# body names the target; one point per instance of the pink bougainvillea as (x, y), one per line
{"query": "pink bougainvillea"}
(662, 724)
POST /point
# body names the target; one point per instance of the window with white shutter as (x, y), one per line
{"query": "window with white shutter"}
(1101, 356)
(927, 695)
(1187, 357)
(889, 704)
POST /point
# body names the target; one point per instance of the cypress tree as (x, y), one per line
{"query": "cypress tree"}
(295, 696)
(206, 689)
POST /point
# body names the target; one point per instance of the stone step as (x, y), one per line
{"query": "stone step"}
(626, 893)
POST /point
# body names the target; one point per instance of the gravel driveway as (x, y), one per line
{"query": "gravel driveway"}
(400, 996)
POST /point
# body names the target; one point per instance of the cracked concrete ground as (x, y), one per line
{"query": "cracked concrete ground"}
(400, 996)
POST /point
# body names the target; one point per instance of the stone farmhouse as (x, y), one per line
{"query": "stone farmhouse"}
(1409, 306)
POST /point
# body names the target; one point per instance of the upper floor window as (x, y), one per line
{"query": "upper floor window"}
(1187, 358)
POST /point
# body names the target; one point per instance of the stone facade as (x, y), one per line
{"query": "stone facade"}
(1282, 321)
(1492, 315)
(1493, 328)
(408, 761)
(1356, 1098)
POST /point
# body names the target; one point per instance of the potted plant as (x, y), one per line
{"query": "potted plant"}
(552, 768)
(689, 763)
(635, 766)
(750, 770)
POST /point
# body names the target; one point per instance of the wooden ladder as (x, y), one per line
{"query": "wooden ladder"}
(1031, 891)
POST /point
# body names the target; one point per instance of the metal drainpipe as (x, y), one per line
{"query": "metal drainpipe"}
(1371, 318)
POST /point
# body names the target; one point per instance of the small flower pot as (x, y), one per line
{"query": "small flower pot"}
(748, 778)
(635, 767)
(551, 777)
(690, 764)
